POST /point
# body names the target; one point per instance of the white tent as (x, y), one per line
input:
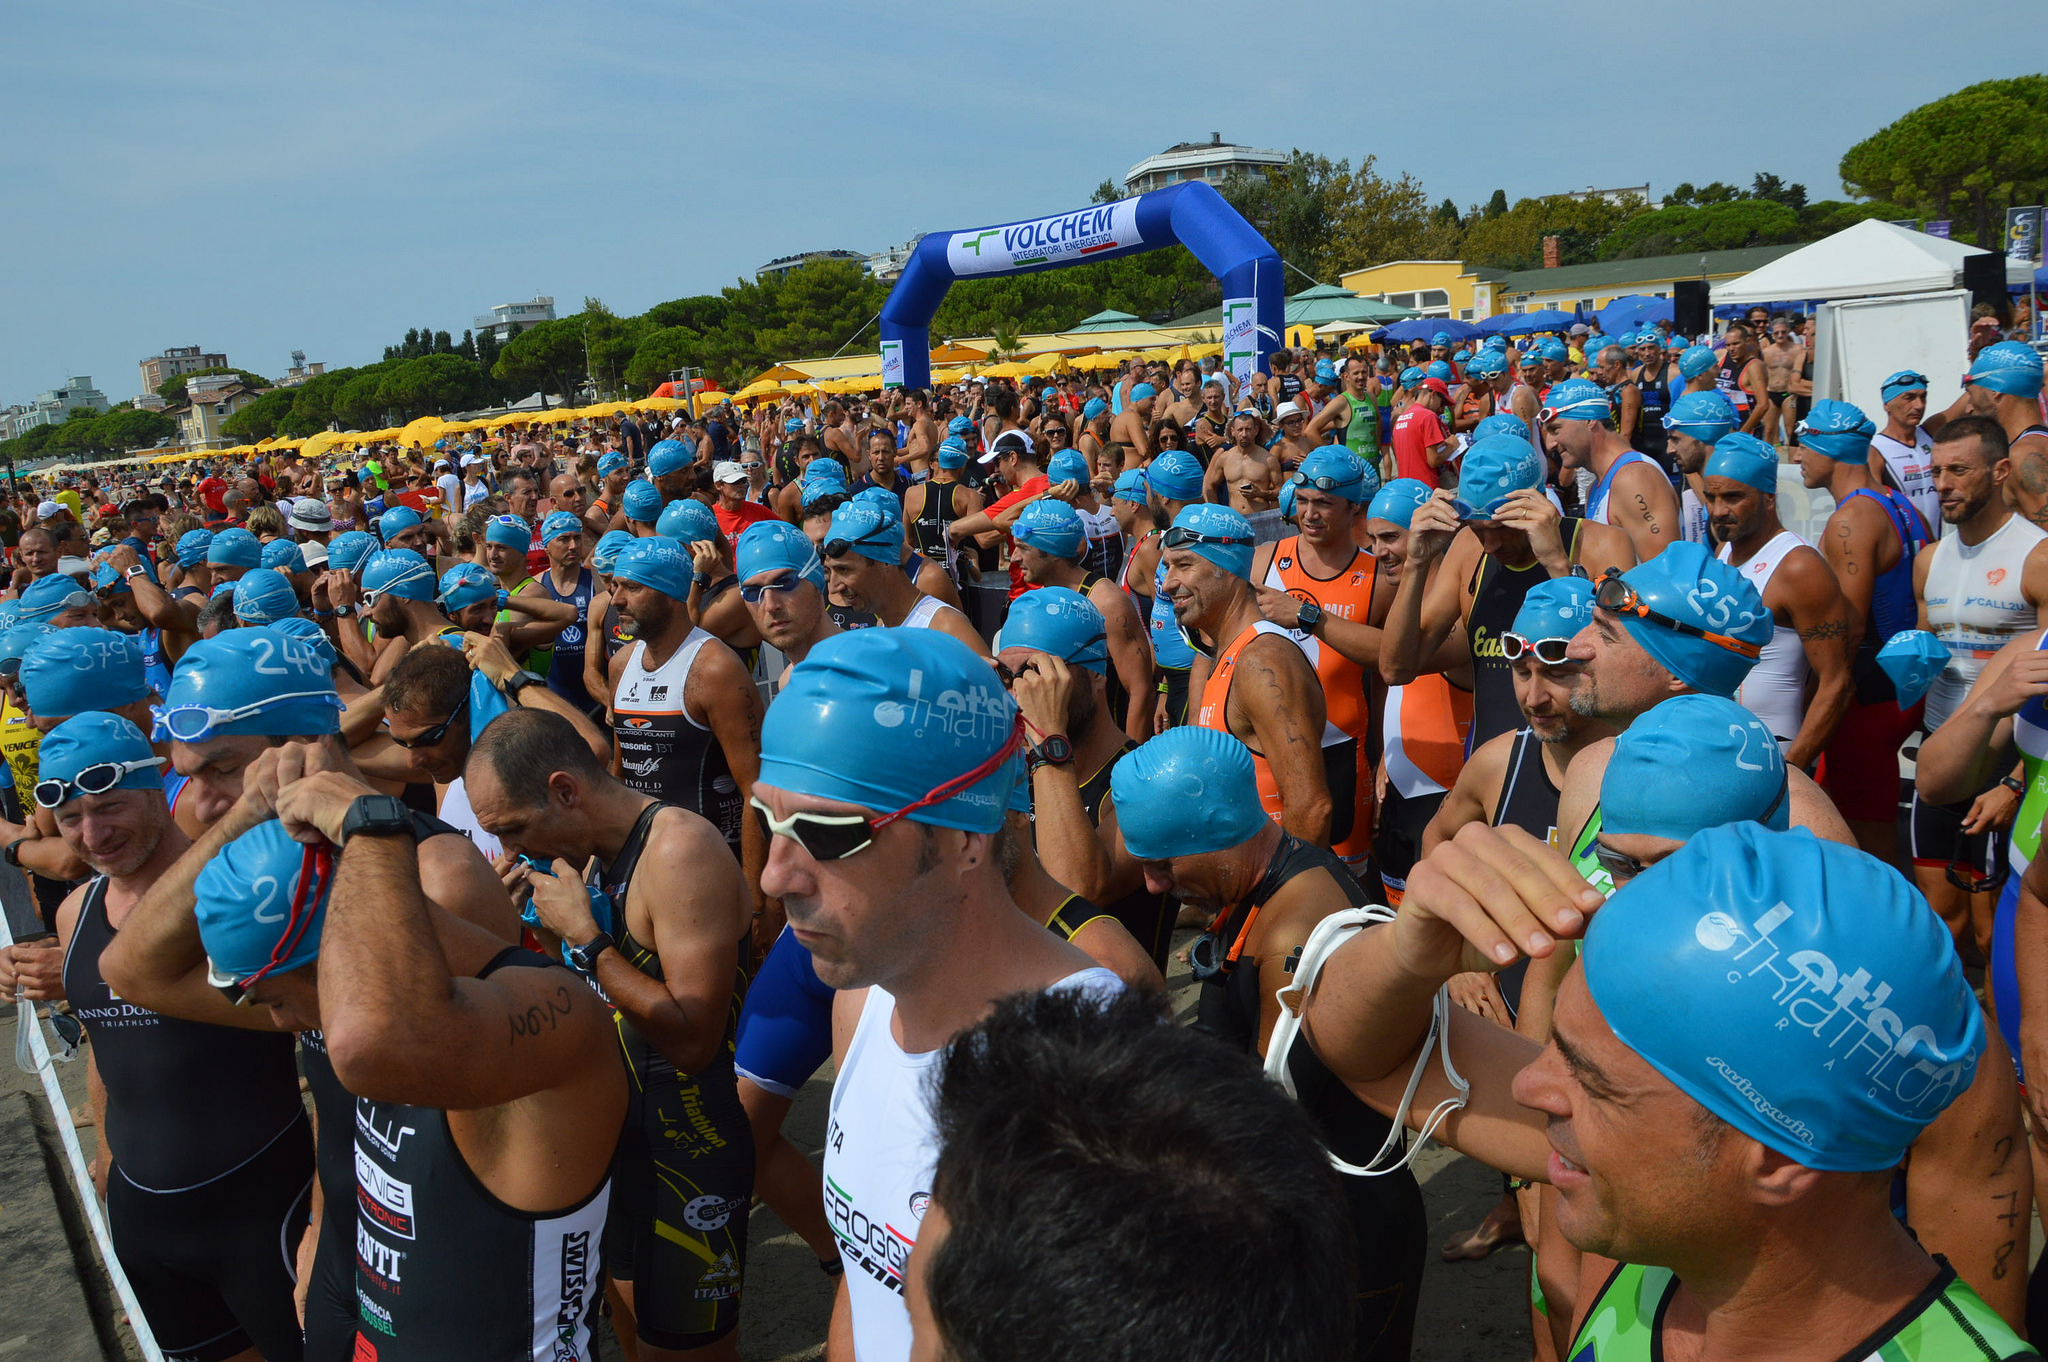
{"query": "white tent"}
(1866, 260)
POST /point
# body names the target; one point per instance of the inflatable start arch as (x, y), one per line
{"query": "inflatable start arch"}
(1191, 215)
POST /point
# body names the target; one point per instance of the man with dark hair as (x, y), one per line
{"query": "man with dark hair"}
(671, 959)
(1054, 1128)
(1741, 379)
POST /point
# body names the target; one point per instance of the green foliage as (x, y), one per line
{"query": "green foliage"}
(704, 312)
(1498, 204)
(547, 358)
(1514, 240)
(173, 390)
(660, 351)
(1735, 223)
(1969, 155)
(1106, 192)
(259, 420)
(1156, 285)
(611, 341)
(94, 435)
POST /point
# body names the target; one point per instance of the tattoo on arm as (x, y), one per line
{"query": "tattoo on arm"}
(1824, 630)
(548, 1012)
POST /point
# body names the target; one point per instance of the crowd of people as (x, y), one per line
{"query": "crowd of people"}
(557, 807)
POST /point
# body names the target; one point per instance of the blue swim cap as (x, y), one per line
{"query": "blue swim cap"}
(16, 640)
(1141, 391)
(507, 531)
(1532, 358)
(1060, 621)
(264, 596)
(1439, 368)
(607, 551)
(72, 671)
(884, 718)
(192, 546)
(1397, 502)
(8, 611)
(308, 633)
(1491, 470)
(952, 453)
(1554, 349)
(883, 500)
(397, 521)
(558, 524)
(467, 584)
(868, 531)
(90, 738)
(1487, 364)
(1131, 486)
(1912, 658)
(1069, 465)
(777, 546)
(1745, 459)
(658, 562)
(45, 596)
(1175, 475)
(793, 425)
(1688, 584)
(1799, 990)
(1219, 522)
(961, 425)
(1502, 423)
(1188, 791)
(1839, 430)
(255, 914)
(641, 501)
(1576, 399)
(1326, 372)
(255, 681)
(1694, 762)
(284, 556)
(1461, 356)
(1442, 338)
(613, 462)
(1705, 416)
(1903, 382)
(1050, 526)
(1093, 408)
(221, 589)
(1412, 376)
(2008, 367)
(1557, 607)
(668, 456)
(1286, 500)
(235, 548)
(397, 572)
(1349, 476)
(687, 521)
(1695, 360)
(346, 551)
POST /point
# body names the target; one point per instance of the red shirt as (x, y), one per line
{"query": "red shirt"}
(1415, 431)
(212, 492)
(1029, 490)
(735, 522)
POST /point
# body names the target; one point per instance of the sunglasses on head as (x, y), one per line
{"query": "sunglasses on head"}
(1549, 651)
(1180, 536)
(1612, 594)
(752, 592)
(430, 736)
(96, 779)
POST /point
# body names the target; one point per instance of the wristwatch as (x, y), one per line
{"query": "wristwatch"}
(1308, 617)
(135, 570)
(2015, 784)
(517, 682)
(377, 815)
(1054, 751)
(583, 958)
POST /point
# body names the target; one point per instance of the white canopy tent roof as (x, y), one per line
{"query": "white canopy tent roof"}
(1866, 260)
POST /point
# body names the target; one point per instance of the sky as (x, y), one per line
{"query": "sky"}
(255, 177)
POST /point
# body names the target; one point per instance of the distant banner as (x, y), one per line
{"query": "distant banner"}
(2023, 234)
(1910, 224)
(1939, 227)
(892, 364)
(1240, 338)
(1063, 239)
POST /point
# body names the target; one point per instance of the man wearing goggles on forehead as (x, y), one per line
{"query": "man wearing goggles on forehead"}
(205, 1153)
(887, 765)
(394, 591)
(863, 556)
(1629, 489)
(1498, 536)
(783, 585)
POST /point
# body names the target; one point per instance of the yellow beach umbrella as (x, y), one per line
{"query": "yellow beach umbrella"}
(759, 388)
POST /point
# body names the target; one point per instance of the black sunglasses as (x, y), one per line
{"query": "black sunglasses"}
(752, 592)
(835, 547)
(432, 735)
(1181, 535)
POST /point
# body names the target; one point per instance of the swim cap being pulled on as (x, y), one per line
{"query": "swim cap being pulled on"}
(1690, 763)
(1060, 621)
(1188, 791)
(1398, 501)
(261, 904)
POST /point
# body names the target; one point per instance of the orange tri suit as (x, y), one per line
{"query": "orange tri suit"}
(1340, 764)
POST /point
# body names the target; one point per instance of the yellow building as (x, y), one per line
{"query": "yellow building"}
(1435, 288)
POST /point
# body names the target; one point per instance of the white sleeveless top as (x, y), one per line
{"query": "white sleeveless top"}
(923, 613)
(1602, 489)
(1692, 517)
(1775, 689)
(1975, 606)
(1912, 465)
(880, 1151)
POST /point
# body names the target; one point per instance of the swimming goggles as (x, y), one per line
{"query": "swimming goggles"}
(1549, 651)
(752, 592)
(96, 779)
(1180, 536)
(1612, 594)
(881, 534)
(196, 722)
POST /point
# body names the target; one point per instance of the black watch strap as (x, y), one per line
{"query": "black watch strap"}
(2014, 783)
(377, 815)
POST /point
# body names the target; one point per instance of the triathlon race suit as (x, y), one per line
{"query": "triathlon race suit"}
(785, 1026)
(1912, 468)
(1387, 1217)
(1362, 430)
(1775, 689)
(1425, 729)
(1346, 697)
(685, 1169)
(1170, 649)
(1729, 384)
(665, 752)
(1148, 917)
(212, 1172)
(1975, 605)
(1947, 1322)
(540, 661)
(1861, 773)
(1649, 435)
(2030, 735)
(443, 1268)
(880, 1150)
(1603, 486)
(1694, 524)
(155, 670)
(565, 670)
(1102, 543)
(1340, 758)
(1528, 800)
(1497, 591)
(617, 633)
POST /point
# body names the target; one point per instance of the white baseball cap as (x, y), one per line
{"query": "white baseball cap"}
(727, 470)
(48, 509)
